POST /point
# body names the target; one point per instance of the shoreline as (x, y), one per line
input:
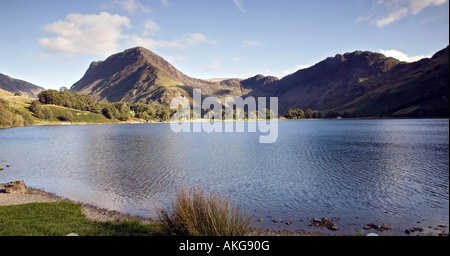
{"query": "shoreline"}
(100, 214)
(92, 212)
(43, 124)
(96, 213)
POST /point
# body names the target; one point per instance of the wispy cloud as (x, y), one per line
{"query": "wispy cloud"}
(150, 28)
(390, 11)
(175, 59)
(417, 6)
(165, 3)
(185, 41)
(132, 6)
(196, 39)
(240, 5)
(392, 17)
(251, 43)
(402, 56)
(214, 65)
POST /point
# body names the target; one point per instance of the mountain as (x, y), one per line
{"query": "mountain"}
(359, 83)
(245, 85)
(139, 75)
(258, 81)
(18, 86)
(367, 84)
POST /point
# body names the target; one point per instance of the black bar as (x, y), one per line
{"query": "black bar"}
(225, 245)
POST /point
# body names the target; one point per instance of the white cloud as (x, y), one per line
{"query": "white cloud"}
(151, 28)
(402, 56)
(165, 3)
(104, 34)
(95, 34)
(240, 5)
(175, 59)
(418, 5)
(151, 43)
(132, 6)
(182, 43)
(214, 65)
(397, 10)
(196, 39)
(251, 43)
(291, 71)
(392, 17)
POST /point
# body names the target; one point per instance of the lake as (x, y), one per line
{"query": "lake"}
(354, 172)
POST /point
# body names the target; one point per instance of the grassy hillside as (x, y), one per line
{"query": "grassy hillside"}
(15, 112)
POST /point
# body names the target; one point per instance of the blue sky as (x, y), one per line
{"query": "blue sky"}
(51, 43)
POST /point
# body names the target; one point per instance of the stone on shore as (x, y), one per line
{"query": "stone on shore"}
(377, 227)
(325, 222)
(15, 187)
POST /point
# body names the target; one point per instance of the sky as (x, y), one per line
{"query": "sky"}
(51, 43)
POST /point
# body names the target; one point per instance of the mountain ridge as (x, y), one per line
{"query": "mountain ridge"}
(354, 82)
(360, 82)
(13, 85)
(137, 75)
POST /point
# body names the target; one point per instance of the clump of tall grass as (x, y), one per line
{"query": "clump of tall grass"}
(195, 213)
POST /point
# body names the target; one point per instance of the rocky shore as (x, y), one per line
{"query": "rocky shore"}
(16, 193)
(32, 195)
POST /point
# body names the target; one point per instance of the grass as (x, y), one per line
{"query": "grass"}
(62, 218)
(195, 213)
(78, 116)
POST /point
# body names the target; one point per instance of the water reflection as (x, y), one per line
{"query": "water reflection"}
(360, 171)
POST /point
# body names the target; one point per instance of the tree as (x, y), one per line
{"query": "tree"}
(35, 106)
(332, 114)
(110, 112)
(37, 109)
(309, 114)
(123, 111)
(290, 114)
(347, 114)
(315, 115)
(164, 115)
(50, 97)
(67, 116)
(5, 116)
(48, 113)
(300, 114)
(295, 114)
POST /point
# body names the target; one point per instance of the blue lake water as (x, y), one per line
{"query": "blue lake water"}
(354, 172)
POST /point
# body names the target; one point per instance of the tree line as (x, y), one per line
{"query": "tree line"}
(310, 114)
(121, 111)
(301, 114)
